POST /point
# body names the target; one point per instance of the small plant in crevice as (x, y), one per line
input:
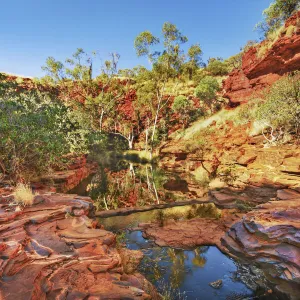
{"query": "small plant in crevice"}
(120, 239)
(243, 206)
(23, 194)
(228, 175)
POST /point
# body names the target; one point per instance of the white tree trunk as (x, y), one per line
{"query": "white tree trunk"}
(101, 119)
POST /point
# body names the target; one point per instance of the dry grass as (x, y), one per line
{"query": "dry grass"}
(195, 128)
(23, 195)
(290, 31)
(273, 37)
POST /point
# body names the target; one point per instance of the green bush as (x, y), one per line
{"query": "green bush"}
(207, 89)
(282, 107)
(181, 103)
(35, 134)
(217, 67)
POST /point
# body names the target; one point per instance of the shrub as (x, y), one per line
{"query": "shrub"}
(181, 103)
(276, 14)
(281, 111)
(207, 89)
(290, 30)
(217, 67)
(183, 106)
(35, 134)
(23, 195)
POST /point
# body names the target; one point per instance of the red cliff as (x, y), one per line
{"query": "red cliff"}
(258, 73)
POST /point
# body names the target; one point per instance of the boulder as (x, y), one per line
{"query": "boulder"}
(52, 250)
(269, 237)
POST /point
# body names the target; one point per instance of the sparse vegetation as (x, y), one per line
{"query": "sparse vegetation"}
(280, 113)
(207, 90)
(23, 194)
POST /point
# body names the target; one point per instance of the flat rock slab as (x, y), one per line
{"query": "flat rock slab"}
(288, 194)
(191, 233)
(52, 250)
(269, 236)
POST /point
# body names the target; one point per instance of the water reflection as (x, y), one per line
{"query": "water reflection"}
(120, 183)
(186, 274)
(120, 223)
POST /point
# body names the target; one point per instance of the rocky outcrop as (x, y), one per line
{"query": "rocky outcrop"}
(191, 233)
(269, 237)
(52, 250)
(65, 180)
(258, 73)
(246, 164)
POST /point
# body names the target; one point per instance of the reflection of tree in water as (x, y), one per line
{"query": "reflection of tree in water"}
(177, 270)
(171, 265)
(134, 185)
(199, 259)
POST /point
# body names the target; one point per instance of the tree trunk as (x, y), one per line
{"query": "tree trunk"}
(101, 119)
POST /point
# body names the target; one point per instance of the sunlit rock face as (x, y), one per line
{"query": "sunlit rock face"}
(269, 237)
(52, 250)
(259, 73)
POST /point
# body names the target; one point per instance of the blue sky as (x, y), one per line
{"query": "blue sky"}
(32, 30)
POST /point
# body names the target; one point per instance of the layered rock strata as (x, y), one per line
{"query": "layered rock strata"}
(53, 250)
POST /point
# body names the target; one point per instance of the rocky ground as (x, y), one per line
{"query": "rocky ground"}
(260, 181)
(53, 250)
(267, 237)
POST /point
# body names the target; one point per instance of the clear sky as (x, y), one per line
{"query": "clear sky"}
(32, 30)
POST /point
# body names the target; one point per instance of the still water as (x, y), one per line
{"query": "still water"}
(183, 274)
(176, 273)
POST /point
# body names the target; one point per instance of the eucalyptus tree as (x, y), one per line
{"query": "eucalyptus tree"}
(98, 96)
(194, 60)
(166, 65)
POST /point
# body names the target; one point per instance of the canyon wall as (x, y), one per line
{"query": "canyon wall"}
(258, 73)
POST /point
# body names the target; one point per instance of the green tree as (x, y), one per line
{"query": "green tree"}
(235, 61)
(98, 96)
(194, 60)
(276, 14)
(165, 66)
(35, 133)
(207, 90)
(280, 113)
(182, 105)
(217, 67)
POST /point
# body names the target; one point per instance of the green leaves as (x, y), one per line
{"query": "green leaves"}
(35, 133)
(282, 108)
(143, 42)
(276, 14)
(207, 89)
(217, 67)
(181, 104)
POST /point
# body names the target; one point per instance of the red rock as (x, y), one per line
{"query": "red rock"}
(287, 194)
(259, 73)
(45, 255)
(269, 237)
(192, 233)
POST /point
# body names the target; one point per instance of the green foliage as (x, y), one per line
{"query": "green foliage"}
(217, 67)
(166, 66)
(207, 89)
(194, 60)
(234, 62)
(181, 104)
(35, 134)
(276, 14)
(282, 106)
(54, 70)
(143, 42)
